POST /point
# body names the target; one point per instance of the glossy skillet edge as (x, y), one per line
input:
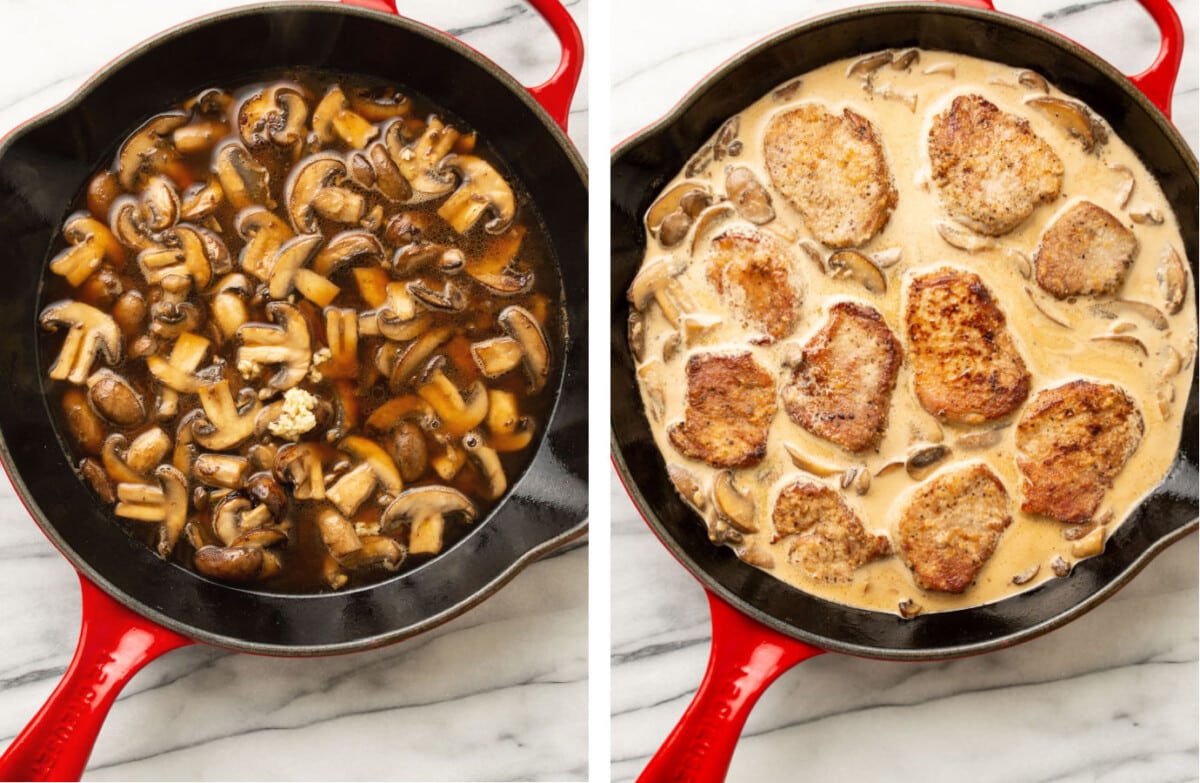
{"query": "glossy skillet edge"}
(645, 162)
(545, 509)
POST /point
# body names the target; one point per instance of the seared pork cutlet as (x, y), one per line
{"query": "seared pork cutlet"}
(990, 169)
(828, 540)
(753, 273)
(1085, 251)
(1072, 441)
(833, 171)
(951, 525)
(730, 404)
(966, 368)
(842, 387)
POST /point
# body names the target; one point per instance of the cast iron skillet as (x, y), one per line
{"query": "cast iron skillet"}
(135, 607)
(761, 626)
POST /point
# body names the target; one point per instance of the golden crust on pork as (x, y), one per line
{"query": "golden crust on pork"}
(730, 405)
(990, 169)
(842, 388)
(1072, 441)
(950, 527)
(753, 273)
(833, 171)
(829, 541)
(966, 368)
(1086, 251)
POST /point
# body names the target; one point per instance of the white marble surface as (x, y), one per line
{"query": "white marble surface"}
(1110, 697)
(498, 694)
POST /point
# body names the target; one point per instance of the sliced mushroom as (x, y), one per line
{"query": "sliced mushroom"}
(234, 516)
(225, 425)
(709, 218)
(338, 533)
(1147, 216)
(391, 413)
(341, 335)
(1072, 117)
(346, 248)
(1123, 339)
(201, 200)
(90, 333)
(244, 180)
(130, 463)
(221, 470)
(904, 59)
(126, 224)
(379, 104)
(288, 272)
(102, 190)
(458, 414)
(1125, 190)
(148, 149)
(853, 265)
(378, 460)
(922, 459)
(1033, 81)
(672, 202)
(316, 190)
(114, 398)
(91, 243)
(424, 510)
(414, 355)
(957, 236)
(230, 564)
(1172, 277)
(420, 163)
(497, 355)
(178, 370)
(228, 304)
(869, 63)
(166, 504)
(87, 428)
(265, 233)
(352, 489)
(408, 449)
(809, 464)
(657, 279)
(376, 552)
(748, 195)
(519, 324)
(495, 267)
(481, 189)
(286, 343)
(198, 136)
(733, 505)
(1144, 310)
(1046, 309)
(299, 464)
(274, 115)
(487, 462)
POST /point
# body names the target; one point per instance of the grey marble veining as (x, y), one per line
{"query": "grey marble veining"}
(497, 694)
(1110, 697)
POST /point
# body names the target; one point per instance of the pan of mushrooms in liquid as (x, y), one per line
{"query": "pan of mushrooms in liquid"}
(791, 379)
(294, 341)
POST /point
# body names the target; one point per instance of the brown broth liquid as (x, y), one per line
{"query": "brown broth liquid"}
(304, 555)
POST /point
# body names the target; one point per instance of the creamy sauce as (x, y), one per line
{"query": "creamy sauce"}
(1053, 353)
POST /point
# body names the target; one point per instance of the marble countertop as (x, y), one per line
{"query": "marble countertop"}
(1110, 697)
(426, 709)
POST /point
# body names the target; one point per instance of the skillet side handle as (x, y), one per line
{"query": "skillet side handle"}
(1158, 81)
(114, 643)
(746, 657)
(555, 93)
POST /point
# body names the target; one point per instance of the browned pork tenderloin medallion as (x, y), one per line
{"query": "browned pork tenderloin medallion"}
(828, 540)
(1085, 251)
(833, 171)
(951, 526)
(1071, 443)
(842, 387)
(966, 368)
(730, 404)
(753, 273)
(990, 169)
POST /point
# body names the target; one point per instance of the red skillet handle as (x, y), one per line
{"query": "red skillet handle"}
(1158, 81)
(114, 643)
(746, 657)
(555, 93)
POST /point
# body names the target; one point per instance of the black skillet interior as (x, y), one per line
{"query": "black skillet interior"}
(44, 165)
(640, 168)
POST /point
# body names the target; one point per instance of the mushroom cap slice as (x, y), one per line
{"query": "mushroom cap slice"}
(380, 461)
(91, 332)
(520, 325)
(148, 149)
(420, 163)
(286, 343)
(487, 461)
(482, 188)
(304, 192)
(419, 503)
(91, 243)
(291, 258)
(245, 181)
(276, 115)
(224, 425)
(230, 564)
(115, 398)
(345, 249)
(265, 233)
(300, 465)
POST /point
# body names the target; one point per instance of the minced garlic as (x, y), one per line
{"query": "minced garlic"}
(297, 416)
(320, 357)
(249, 370)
